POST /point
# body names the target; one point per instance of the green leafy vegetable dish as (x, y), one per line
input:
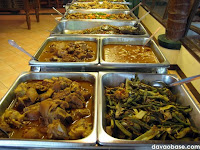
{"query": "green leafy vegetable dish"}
(138, 111)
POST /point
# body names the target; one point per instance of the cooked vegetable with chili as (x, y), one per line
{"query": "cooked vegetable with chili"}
(56, 108)
(97, 5)
(109, 29)
(138, 111)
(100, 15)
(69, 51)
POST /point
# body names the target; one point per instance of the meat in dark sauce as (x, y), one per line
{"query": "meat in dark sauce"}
(43, 110)
(69, 51)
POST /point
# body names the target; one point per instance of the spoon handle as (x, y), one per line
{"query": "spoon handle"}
(58, 11)
(134, 8)
(186, 80)
(14, 44)
(151, 37)
(138, 21)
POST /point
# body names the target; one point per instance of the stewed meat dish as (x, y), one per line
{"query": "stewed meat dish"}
(69, 51)
(56, 108)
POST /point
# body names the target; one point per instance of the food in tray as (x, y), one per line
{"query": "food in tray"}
(100, 15)
(56, 108)
(109, 29)
(100, 0)
(69, 51)
(97, 5)
(138, 111)
(128, 54)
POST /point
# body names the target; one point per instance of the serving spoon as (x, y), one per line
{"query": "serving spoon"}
(161, 84)
(5, 134)
(14, 44)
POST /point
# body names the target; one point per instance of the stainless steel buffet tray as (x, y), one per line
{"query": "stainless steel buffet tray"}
(107, 11)
(71, 65)
(126, 7)
(31, 143)
(160, 67)
(64, 27)
(99, 0)
(108, 79)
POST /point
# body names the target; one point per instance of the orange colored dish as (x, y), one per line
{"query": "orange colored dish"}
(128, 54)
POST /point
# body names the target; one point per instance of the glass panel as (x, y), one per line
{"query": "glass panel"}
(194, 32)
(157, 6)
(160, 7)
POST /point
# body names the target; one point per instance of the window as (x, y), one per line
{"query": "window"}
(191, 39)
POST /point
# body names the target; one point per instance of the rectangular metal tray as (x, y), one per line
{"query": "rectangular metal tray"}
(68, 7)
(160, 67)
(66, 26)
(107, 11)
(100, 1)
(35, 63)
(109, 79)
(31, 143)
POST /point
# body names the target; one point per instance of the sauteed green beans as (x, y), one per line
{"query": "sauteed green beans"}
(138, 111)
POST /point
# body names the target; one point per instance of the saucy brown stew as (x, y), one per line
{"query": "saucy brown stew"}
(69, 51)
(128, 54)
(56, 108)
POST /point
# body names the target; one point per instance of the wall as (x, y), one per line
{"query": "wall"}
(187, 63)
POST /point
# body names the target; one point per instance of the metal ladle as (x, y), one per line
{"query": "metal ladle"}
(161, 84)
(14, 44)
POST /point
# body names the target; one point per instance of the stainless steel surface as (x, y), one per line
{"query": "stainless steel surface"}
(161, 84)
(7, 101)
(34, 63)
(107, 11)
(14, 44)
(163, 63)
(66, 26)
(114, 79)
(123, 3)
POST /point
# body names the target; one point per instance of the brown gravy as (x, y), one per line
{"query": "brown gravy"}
(128, 54)
(48, 53)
